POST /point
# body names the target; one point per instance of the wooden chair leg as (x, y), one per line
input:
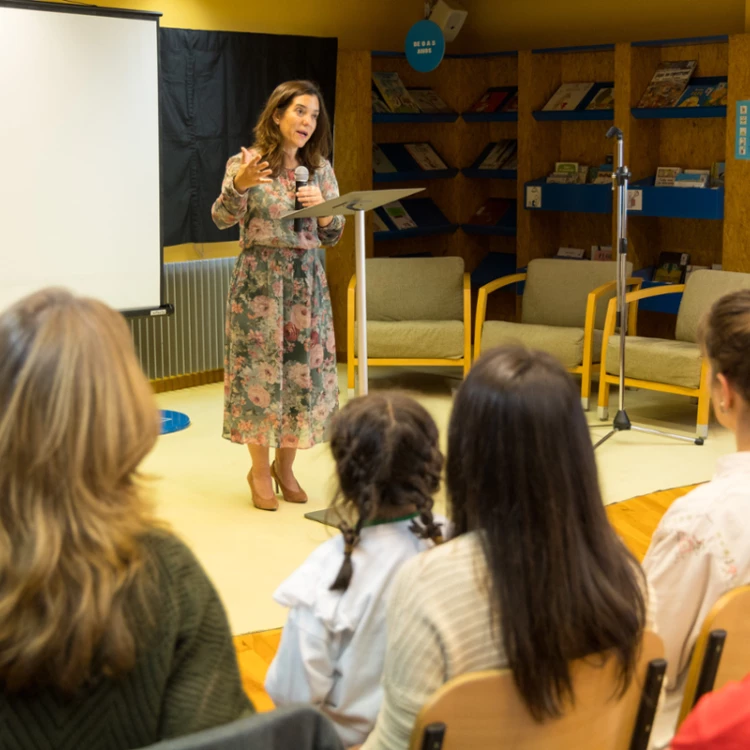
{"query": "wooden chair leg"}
(350, 363)
(704, 404)
(586, 385)
(603, 404)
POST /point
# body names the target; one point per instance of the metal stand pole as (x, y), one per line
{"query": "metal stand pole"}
(620, 179)
(359, 227)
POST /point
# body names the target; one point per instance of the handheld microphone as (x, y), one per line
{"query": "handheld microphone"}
(301, 176)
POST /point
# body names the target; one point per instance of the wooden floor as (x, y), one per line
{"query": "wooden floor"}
(634, 520)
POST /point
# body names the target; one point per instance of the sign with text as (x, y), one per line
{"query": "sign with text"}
(741, 150)
(425, 46)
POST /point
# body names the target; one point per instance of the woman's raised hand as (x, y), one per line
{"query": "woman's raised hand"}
(252, 172)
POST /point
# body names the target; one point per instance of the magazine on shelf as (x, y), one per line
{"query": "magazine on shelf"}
(576, 253)
(501, 153)
(603, 99)
(692, 96)
(380, 225)
(425, 156)
(490, 101)
(668, 84)
(512, 162)
(399, 215)
(428, 101)
(601, 252)
(568, 97)
(380, 162)
(490, 212)
(671, 268)
(511, 104)
(394, 92)
(717, 174)
(665, 176)
(566, 167)
(378, 105)
(689, 179)
(715, 96)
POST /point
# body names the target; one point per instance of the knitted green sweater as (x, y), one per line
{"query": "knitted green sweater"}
(185, 679)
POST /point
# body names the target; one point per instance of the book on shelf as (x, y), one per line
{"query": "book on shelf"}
(490, 101)
(667, 84)
(380, 225)
(399, 215)
(378, 105)
(603, 99)
(425, 156)
(428, 101)
(566, 167)
(562, 178)
(692, 96)
(394, 92)
(512, 163)
(601, 252)
(671, 268)
(715, 96)
(380, 162)
(717, 174)
(692, 179)
(601, 175)
(576, 253)
(511, 104)
(568, 97)
(499, 155)
(490, 212)
(665, 176)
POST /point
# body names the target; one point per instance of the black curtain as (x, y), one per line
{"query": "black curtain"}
(213, 86)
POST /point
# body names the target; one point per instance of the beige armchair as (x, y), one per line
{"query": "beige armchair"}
(562, 313)
(418, 313)
(662, 364)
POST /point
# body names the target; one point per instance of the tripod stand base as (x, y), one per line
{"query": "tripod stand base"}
(622, 419)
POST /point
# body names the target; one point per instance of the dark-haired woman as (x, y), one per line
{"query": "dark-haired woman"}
(331, 654)
(534, 577)
(701, 548)
(280, 382)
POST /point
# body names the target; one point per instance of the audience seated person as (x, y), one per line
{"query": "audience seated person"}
(111, 634)
(701, 548)
(534, 577)
(388, 464)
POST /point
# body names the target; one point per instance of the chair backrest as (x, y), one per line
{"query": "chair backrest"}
(484, 709)
(414, 289)
(298, 727)
(556, 291)
(730, 614)
(703, 288)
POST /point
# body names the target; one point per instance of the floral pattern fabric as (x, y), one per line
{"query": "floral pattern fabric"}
(280, 381)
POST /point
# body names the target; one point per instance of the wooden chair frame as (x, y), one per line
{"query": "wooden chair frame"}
(353, 360)
(588, 367)
(702, 392)
(705, 670)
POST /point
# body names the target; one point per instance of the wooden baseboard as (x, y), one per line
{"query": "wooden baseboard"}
(190, 380)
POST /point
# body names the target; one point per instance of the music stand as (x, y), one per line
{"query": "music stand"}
(356, 203)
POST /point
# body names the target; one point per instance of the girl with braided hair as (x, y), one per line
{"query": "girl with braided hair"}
(331, 654)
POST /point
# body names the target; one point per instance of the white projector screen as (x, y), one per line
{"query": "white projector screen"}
(79, 154)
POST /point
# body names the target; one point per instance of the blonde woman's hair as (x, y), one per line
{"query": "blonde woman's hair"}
(268, 138)
(77, 416)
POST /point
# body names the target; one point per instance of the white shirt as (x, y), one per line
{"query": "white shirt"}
(699, 551)
(333, 645)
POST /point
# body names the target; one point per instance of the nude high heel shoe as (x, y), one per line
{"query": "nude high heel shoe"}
(260, 502)
(291, 496)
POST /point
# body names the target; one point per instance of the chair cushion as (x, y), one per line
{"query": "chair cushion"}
(566, 344)
(556, 290)
(414, 289)
(703, 288)
(657, 360)
(420, 339)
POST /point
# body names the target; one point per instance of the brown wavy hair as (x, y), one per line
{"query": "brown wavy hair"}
(521, 474)
(77, 416)
(387, 459)
(268, 140)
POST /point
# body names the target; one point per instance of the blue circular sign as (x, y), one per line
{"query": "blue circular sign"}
(425, 46)
(173, 421)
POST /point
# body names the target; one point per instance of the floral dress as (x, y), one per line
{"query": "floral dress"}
(280, 381)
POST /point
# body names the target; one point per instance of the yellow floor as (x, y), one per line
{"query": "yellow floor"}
(634, 520)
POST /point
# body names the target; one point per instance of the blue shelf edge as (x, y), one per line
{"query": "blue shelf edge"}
(587, 199)
(585, 114)
(719, 39)
(491, 174)
(677, 113)
(669, 303)
(436, 174)
(498, 231)
(679, 203)
(417, 232)
(568, 50)
(423, 117)
(489, 116)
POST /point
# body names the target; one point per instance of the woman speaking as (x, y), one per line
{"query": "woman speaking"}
(280, 382)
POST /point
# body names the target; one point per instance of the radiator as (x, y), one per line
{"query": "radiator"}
(191, 340)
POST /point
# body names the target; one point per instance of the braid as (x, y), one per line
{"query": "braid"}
(351, 540)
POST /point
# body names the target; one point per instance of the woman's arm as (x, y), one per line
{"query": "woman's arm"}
(330, 228)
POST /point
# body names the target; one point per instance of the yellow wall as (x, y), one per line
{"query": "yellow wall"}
(525, 24)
